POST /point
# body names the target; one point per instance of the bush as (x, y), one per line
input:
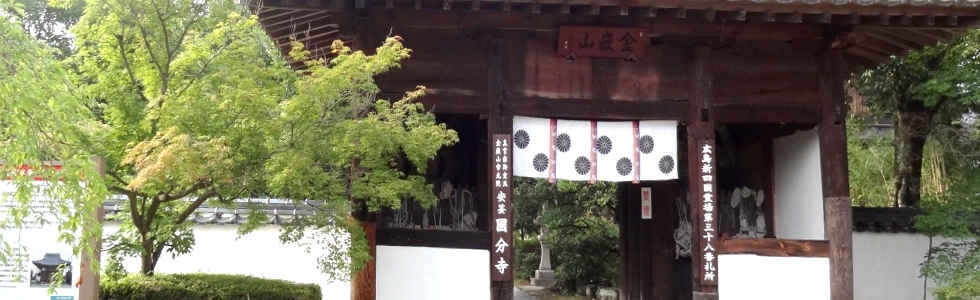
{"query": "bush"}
(527, 255)
(206, 287)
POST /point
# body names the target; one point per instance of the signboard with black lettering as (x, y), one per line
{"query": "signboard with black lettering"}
(618, 42)
(501, 258)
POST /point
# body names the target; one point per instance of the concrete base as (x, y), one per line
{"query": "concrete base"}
(606, 293)
(544, 278)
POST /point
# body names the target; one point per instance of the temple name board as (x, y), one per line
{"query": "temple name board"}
(617, 42)
(501, 237)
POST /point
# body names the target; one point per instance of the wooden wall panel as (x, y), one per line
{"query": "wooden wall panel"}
(764, 72)
(444, 61)
(660, 76)
(550, 76)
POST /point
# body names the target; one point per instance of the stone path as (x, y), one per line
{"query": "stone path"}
(521, 295)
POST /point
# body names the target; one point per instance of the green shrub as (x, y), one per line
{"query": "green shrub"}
(206, 287)
(527, 257)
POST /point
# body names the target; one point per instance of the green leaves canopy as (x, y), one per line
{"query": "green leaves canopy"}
(40, 121)
(197, 106)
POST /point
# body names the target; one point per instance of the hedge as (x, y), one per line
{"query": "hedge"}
(206, 287)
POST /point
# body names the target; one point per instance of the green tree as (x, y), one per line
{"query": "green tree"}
(933, 96)
(582, 231)
(40, 121)
(50, 24)
(198, 107)
(869, 160)
(928, 89)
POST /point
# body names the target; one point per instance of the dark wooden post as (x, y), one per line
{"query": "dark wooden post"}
(364, 283)
(499, 121)
(833, 166)
(701, 133)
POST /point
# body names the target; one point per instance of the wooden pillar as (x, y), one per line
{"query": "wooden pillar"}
(88, 281)
(499, 121)
(622, 215)
(833, 166)
(701, 133)
(364, 283)
(364, 287)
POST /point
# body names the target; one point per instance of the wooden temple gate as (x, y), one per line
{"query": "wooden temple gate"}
(741, 77)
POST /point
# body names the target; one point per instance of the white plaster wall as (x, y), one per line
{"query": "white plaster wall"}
(798, 189)
(421, 273)
(258, 254)
(753, 277)
(886, 266)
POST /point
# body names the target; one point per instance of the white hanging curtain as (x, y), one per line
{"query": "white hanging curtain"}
(532, 147)
(614, 146)
(573, 150)
(657, 146)
(590, 150)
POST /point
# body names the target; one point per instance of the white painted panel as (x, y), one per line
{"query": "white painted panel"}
(420, 273)
(798, 188)
(753, 277)
(886, 266)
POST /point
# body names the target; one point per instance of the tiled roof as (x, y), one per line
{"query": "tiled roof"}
(884, 219)
(941, 3)
(278, 212)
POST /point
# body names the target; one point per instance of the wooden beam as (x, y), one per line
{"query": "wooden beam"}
(435, 238)
(296, 17)
(775, 247)
(465, 19)
(833, 167)
(704, 296)
(767, 114)
(600, 109)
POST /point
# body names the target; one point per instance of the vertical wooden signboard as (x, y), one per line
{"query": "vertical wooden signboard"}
(501, 261)
(709, 274)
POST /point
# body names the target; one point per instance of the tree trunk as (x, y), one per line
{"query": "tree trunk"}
(912, 128)
(147, 264)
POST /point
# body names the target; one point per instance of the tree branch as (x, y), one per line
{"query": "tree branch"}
(197, 203)
(135, 215)
(145, 37)
(180, 195)
(129, 68)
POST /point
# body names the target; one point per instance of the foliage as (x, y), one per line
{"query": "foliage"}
(205, 286)
(582, 232)
(49, 24)
(527, 257)
(954, 264)
(41, 115)
(934, 96)
(198, 107)
(869, 160)
(168, 78)
(927, 90)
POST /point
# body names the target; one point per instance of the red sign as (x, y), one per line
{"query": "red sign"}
(26, 170)
(618, 42)
(501, 235)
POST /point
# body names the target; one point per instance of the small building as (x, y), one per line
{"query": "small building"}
(744, 102)
(48, 266)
